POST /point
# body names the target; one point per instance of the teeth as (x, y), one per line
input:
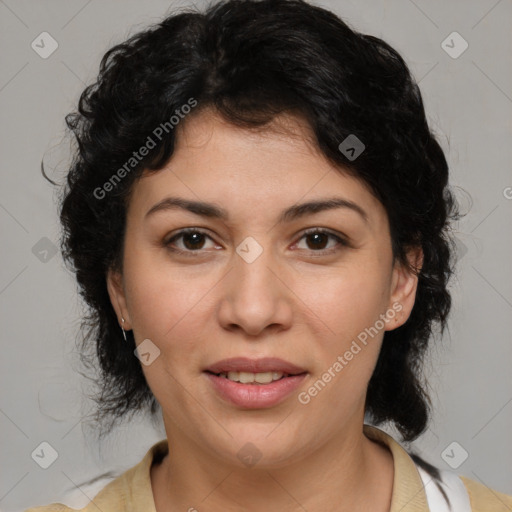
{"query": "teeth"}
(250, 378)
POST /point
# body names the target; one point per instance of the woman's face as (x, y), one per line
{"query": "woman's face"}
(253, 284)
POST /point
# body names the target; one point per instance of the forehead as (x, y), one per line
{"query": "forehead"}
(269, 168)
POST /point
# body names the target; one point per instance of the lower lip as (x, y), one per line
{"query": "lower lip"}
(256, 396)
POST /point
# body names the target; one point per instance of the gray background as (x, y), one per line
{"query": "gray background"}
(469, 103)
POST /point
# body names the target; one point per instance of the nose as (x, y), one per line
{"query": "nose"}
(255, 296)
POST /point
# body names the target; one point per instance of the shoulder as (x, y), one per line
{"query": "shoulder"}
(458, 493)
(448, 491)
(427, 487)
(54, 507)
(130, 489)
(104, 494)
(485, 499)
(79, 499)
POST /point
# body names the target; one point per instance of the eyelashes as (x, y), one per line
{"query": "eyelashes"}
(195, 236)
(183, 233)
(342, 242)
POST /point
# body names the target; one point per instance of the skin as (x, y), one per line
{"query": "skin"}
(292, 302)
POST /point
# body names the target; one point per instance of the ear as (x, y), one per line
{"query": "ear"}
(403, 287)
(117, 296)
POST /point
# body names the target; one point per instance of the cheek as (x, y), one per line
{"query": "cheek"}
(163, 299)
(345, 305)
(346, 299)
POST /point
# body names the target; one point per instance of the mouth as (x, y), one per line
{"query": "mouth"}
(241, 389)
(246, 367)
(260, 378)
(255, 383)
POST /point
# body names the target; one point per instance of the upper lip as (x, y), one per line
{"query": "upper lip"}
(245, 364)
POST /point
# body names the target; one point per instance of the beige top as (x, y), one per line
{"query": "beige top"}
(132, 491)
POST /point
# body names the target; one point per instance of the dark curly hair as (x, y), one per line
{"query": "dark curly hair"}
(251, 60)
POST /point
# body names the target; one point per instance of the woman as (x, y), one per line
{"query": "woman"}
(259, 212)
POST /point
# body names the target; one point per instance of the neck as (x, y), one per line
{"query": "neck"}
(359, 477)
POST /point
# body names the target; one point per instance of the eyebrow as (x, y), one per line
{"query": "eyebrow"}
(292, 213)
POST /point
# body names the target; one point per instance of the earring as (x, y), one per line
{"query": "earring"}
(122, 327)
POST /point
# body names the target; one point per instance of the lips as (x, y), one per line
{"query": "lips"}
(244, 364)
(255, 396)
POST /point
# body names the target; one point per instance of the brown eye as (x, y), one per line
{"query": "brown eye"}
(192, 240)
(317, 240)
